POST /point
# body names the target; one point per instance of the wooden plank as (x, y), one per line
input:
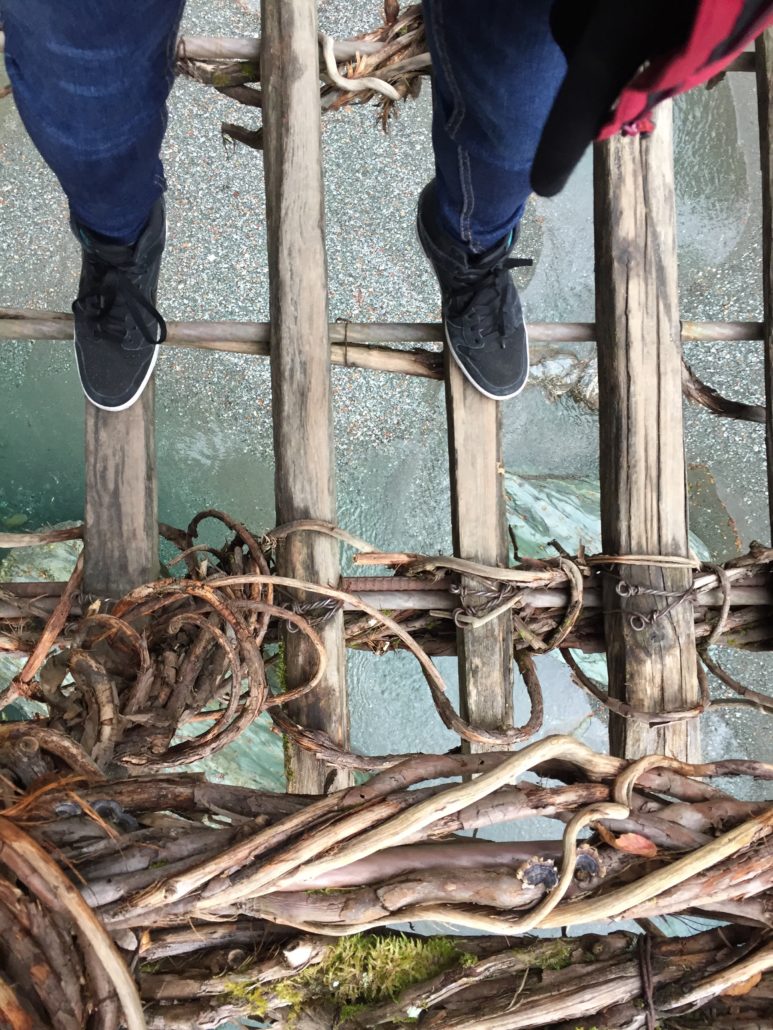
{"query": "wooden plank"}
(349, 339)
(643, 494)
(764, 56)
(300, 359)
(479, 534)
(120, 529)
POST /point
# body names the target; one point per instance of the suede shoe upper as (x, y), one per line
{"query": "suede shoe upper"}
(482, 312)
(117, 326)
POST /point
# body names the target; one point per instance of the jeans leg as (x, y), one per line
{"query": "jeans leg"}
(90, 80)
(496, 71)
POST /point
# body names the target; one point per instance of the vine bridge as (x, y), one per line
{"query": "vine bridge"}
(133, 893)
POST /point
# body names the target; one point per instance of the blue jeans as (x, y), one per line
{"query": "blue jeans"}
(496, 71)
(90, 80)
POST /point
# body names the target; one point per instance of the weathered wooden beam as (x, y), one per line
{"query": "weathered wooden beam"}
(764, 55)
(300, 360)
(120, 529)
(743, 63)
(407, 594)
(349, 339)
(479, 534)
(643, 495)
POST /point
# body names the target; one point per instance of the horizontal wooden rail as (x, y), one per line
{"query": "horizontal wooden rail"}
(246, 48)
(254, 337)
(354, 344)
(404, 593)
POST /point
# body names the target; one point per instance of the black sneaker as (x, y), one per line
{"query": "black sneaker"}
(117, 327)
(482, 315)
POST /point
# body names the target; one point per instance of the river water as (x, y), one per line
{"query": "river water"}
(214, 427)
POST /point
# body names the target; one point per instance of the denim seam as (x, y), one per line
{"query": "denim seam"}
(468, 197)
(454, 122)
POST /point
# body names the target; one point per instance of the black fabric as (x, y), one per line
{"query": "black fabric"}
(606, 42)
(569, 21)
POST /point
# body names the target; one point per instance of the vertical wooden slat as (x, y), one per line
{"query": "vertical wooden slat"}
(121, 511)
(764, 57)
(480, 534)
(300, 358)
(643, 496)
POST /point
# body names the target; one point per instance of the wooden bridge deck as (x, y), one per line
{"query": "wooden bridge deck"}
(640, 376)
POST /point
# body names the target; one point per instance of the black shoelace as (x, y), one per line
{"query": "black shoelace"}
(113, 296)
(486, 290)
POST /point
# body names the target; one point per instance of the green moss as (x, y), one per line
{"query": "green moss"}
(350, 1011)
(363, 969)
(278, 675)
(548, 954)
(250, 995)
(289, 993)
(558, 957)
(366, 969)
(248, 71)
(287, 751)
(279, 667)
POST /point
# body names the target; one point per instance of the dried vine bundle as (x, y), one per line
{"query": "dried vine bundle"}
(193, 652)
(161, 656)
(200, 891)
(143, 897)
(385, 65)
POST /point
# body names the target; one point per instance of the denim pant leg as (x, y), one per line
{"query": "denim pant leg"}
(90, 80)
(496, 71)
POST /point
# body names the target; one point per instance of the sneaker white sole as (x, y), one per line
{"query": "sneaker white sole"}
(138, 392)
(473, 382)
(460, 366)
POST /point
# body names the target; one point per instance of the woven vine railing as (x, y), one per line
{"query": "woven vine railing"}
(141, 894)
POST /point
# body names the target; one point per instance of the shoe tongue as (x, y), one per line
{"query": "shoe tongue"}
(113, 252)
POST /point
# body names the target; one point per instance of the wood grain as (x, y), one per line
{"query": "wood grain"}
(643, 495)
(479, 534)
(764, 58)
(300, 359)
(350, 339)
(120, 530)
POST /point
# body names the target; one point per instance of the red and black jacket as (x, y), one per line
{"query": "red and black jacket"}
(624, 57)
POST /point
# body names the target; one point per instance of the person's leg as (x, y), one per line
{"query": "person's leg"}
(90, 79)
(496, 71)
